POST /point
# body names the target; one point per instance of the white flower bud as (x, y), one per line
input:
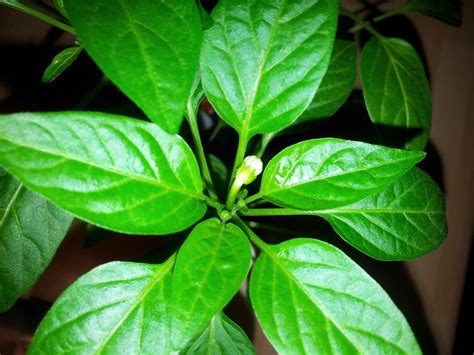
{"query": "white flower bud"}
(251, 167)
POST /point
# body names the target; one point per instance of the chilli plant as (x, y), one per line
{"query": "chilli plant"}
(263, 66)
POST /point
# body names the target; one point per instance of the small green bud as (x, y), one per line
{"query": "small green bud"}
(225, 215)
(251, 167)
(241, 203)
(243, 193)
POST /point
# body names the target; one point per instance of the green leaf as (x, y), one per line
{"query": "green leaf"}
(60, 7)
(206, 20)
(117, 308)
(405, 220)
(31, 230)
(324, 303)
(195, 96)
(337, 83)
(149, 49)
(222, 336)
(396, 90)
(329, 172)
(448, 11)
(262, 61)
(210, 268)
(60, 63)
(115, 172)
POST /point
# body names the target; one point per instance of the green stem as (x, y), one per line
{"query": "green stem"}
(213, 203)
(257, 203)
(266, 139)
(280, 230)
(232, 195)
(364, 24)
(388, 14)
(254, 197)
(91, 95)
(239, 158)
(206, 174)
(279, 212)
(252, 236)
(219, 126)
(43, 17)
(379, 18)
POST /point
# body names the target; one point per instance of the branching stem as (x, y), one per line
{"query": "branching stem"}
(364, 24)
(379, 18)
(266, 139)
(213, 203)
(278, 212)
(252, 236)
(43, 17)
(239, 158)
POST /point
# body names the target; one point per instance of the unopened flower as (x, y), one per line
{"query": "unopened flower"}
(251, 167)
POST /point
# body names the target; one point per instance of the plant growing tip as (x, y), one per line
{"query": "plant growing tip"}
(246, 173)
(251, 167)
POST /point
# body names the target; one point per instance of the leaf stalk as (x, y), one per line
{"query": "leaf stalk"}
(252, 236)
(360, 22)
(43, 17)
(399, 11)
(205, 172)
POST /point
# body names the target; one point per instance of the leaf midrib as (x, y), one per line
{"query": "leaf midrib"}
(57, 68)
(274, 256)
(217, 246)
(212, 337)
(154, 280)
(400, 82)
(411, 112)
(347, 46)
(149, 69)
(325, 177)
(109, 169)
(10, 204)
(251, 100)
(323, 310)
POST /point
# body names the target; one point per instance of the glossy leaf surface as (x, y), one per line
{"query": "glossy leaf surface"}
(222, 336)
(117, 308)
(121, 174)
(448, 11)
(324, 303)
(262, 61)
(396, 90)
(60, 63)
(149, 49)
(31, 230)
(329, 172)
(405, 220)
(210, 268)
(337, 83)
